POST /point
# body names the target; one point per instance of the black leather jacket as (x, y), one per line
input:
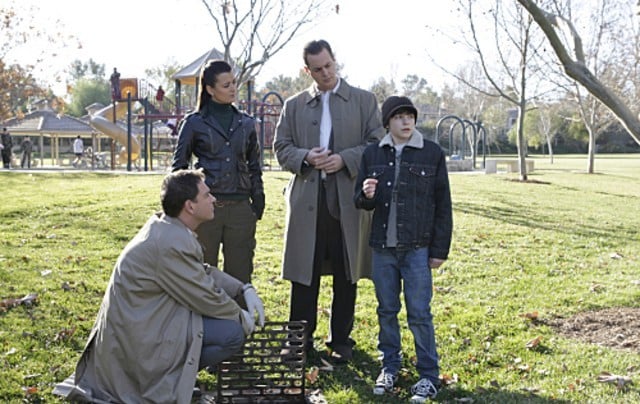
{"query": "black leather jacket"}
(424, 217)
(230, 160)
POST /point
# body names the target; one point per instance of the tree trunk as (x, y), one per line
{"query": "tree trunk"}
(577, 69)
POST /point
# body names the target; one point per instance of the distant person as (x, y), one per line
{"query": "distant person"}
(7, 144)
(165, 313)
(26, 146)
(320, 137)
(115, 85)
(160, 98)
(225, 144)
(78, 150)
(404, 180)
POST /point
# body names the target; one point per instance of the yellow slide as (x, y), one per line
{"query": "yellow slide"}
(102, 121)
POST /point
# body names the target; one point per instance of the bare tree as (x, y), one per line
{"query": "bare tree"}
(253, 31)
(509, 70)
(572, 58)
(606, 53)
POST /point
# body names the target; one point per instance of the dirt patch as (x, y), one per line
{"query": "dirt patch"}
(617, 328)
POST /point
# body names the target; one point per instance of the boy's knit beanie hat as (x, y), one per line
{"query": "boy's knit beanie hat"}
(394, 103)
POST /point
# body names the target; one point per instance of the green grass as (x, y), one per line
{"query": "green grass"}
(517, 248)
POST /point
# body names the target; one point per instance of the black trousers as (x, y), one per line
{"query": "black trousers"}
(304, 299)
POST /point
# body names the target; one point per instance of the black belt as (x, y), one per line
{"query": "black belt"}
(228, 202)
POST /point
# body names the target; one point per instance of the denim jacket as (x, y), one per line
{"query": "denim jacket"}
(231, 160)
(424, 217)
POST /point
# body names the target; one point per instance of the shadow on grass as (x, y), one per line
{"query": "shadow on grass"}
(358, 378)
(537, 218)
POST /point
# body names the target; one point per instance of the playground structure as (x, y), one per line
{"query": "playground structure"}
(135, 143)
(460, 147)
(101, 123)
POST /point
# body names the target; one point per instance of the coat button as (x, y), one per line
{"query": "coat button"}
(391, 163)
(200, 334)
(388, 183)
(227, 159)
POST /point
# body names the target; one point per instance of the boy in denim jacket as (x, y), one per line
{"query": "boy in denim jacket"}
(404, 179)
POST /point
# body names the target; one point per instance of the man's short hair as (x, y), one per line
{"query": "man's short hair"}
(179, 187)
(314, 48)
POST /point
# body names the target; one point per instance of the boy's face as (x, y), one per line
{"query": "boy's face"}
(401, 126)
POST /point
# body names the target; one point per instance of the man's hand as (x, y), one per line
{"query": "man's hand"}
(317, 155)
(248, 323)
(254, 303)
(322, 159)
(332, 164)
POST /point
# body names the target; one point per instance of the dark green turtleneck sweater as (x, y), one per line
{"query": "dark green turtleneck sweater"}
(223, 113)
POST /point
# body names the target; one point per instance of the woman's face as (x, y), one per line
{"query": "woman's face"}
(224, 90)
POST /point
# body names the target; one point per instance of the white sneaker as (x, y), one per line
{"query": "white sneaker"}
(384, 382)
(422, 391)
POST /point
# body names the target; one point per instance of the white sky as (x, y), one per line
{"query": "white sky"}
(370, 38)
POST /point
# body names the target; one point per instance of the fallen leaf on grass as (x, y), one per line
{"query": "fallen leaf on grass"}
(448, 380)
(534, 342)
(615, 255)
(619, 381)
(312, 374)
(28, 300)
(524, 368)
(463, 400)
(65, 334)
(530, 316)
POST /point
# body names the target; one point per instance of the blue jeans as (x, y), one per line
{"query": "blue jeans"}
(221, 339)
(393, 270)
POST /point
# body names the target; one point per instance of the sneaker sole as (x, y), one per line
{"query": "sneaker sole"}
(378, 391)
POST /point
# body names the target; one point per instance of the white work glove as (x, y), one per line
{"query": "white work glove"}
(248, 323)
(254, 303)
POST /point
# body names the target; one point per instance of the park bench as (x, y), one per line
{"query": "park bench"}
(491, 166)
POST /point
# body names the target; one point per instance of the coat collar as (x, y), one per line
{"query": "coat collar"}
(312, 94)
(415, 140)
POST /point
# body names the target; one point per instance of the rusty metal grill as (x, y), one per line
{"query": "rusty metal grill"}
(269, 369)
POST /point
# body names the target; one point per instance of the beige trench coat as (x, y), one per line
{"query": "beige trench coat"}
(356, 121)
(146, 341)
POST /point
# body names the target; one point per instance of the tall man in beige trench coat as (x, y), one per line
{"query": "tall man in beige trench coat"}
(320, 137)
(165, 313)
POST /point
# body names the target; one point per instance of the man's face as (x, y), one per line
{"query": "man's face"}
(322, 69)
(203, 204)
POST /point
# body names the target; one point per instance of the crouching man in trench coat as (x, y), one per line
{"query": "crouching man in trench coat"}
(165, 314)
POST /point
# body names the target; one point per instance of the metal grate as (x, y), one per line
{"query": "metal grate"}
(269, 369)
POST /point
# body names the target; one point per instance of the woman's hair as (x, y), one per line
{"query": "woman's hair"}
(208, 76)
(315, 47)
(179, 187)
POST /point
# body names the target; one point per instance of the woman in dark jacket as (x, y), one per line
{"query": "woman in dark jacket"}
(225, 145)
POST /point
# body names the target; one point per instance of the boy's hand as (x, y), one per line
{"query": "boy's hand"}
(369, 187)
(435, 263)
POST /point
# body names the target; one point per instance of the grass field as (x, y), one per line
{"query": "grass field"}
(523, 254)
